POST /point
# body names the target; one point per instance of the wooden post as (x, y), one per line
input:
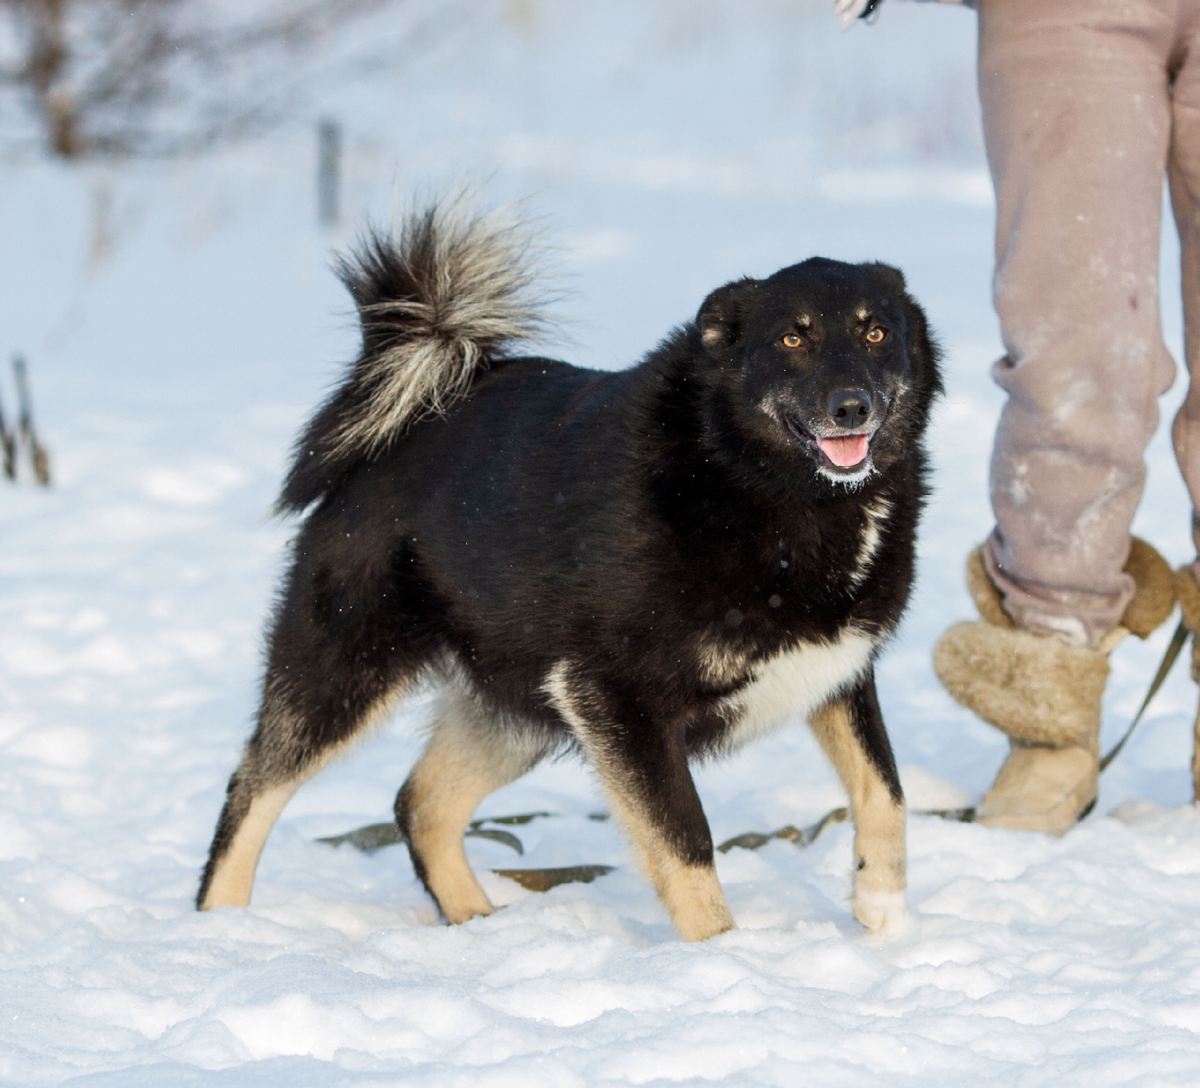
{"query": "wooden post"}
(329, 154)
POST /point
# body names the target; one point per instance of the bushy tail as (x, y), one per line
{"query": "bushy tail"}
(437, 302)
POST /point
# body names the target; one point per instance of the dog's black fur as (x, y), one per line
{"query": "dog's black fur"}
(605, 560)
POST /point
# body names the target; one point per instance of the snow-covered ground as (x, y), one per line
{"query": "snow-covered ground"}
(180, 321)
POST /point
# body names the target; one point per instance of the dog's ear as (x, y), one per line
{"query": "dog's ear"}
(892, 278)
(923, 347)
(720, 319)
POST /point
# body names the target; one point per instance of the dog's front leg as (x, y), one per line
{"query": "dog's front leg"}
(643, 766)
(852, 733)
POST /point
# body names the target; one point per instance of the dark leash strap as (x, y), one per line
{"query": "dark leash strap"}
(1177, 641)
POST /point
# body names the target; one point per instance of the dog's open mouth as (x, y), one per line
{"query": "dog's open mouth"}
(844, 451)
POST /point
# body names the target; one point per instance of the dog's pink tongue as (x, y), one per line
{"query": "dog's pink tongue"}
(845, 452)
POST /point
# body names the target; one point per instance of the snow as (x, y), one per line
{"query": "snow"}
(180, 321)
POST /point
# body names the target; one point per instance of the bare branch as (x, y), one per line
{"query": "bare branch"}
(104, 78)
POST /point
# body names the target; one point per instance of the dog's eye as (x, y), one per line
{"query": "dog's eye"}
(876, 335)
(791, 340)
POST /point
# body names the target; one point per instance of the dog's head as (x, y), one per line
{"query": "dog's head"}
(824, 361)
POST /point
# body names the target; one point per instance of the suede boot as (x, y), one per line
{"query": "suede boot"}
(1044, 694)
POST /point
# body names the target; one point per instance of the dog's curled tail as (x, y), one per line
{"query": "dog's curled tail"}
(438, 301)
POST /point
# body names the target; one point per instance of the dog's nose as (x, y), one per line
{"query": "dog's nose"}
(849, 407)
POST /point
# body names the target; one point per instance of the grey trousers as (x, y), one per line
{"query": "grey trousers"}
(1086, 104)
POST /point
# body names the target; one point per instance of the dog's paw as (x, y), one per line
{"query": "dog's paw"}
(883, 914)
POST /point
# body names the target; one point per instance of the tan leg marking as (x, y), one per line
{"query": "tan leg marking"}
(464, 761)
(234, 876)
(879, 853)
(692, 894)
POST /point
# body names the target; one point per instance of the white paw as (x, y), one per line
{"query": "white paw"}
(884, 914)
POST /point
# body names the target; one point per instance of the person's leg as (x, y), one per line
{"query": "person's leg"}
(1184, 172)
(1077, 121)
(1076, 112)
(1184, 175)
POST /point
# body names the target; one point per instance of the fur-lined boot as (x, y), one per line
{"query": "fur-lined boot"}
(1044, 694)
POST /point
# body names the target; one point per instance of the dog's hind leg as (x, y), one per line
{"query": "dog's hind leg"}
(851, 731)
(339, 659)
(246, 820)
(467, 758)
(643, 767)
(287, 749)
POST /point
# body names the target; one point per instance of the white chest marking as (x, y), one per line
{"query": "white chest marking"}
(796, 683)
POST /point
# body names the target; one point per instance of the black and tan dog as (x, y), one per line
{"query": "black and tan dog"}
(649, 566)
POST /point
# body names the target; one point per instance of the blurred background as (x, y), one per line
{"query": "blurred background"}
(161, 182)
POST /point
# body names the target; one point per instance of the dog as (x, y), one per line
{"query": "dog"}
(649, 566)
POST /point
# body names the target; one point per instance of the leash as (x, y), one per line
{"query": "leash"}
(1169, 658)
